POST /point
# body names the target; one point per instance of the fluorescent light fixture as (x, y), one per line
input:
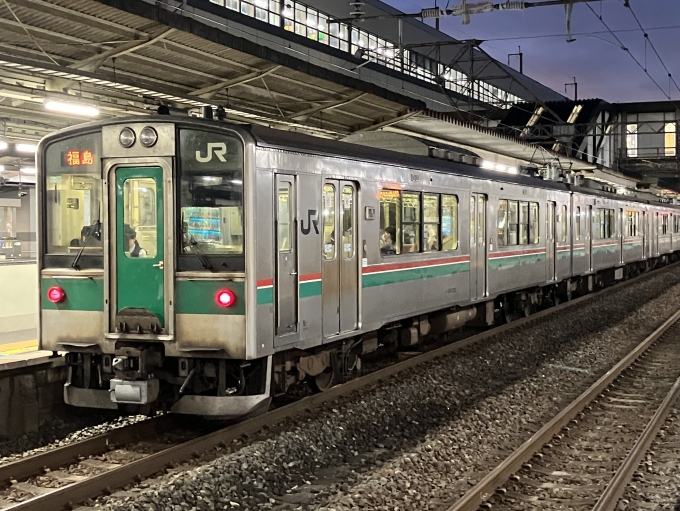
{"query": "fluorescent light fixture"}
(237, 181)
(26, 148)
(488, 165)
(2, 168)
(500, 167)
(28, 170)
(513, 170)
(72, 108)
(3, 145)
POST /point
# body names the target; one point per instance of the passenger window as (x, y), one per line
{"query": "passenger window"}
(390, 219)
(606, 219)
(411, 222)
(139, 216)
(523, 223)
(431, 239)
(449, 226)
(563, 225)
(577, 224)
(513, 219)
(328, 222)
(502, 223)
(284, 223)
(533, 223)
(347, 222)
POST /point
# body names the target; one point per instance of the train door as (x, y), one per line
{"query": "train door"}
(286, 256)
(620, 223)
(655, 235)
(589, 239)
(478, 259)
(340, 268)
(643, 233)
(138, 227)
(550, 240)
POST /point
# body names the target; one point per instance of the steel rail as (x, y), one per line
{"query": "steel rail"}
(609, 499)
(500, 475)
(73, 494)
(72, 453)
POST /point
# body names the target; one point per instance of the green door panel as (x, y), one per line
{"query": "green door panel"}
(140, 280)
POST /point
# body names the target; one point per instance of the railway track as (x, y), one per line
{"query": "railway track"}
(71, 475)
(585, 457)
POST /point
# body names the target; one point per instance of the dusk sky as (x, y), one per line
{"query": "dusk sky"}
(602, 70)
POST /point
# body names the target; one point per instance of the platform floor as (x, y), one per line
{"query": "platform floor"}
(21, 341)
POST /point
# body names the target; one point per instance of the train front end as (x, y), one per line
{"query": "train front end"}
(143, 256)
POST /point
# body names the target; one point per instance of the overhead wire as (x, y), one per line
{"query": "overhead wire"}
(35, 41)
(575, 34)
(651, 44)
(625, 48)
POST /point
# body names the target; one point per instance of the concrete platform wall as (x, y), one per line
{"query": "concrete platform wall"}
(18, 297)
(29, 396)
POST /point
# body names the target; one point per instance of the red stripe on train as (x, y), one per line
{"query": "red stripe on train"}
(494, 255)
(416, 264)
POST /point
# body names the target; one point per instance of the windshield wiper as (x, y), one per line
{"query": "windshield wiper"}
(201, 256)
(93, 232)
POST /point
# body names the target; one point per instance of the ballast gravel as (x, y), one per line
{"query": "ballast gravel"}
(655, 483)
(420, 440)
(78, 424)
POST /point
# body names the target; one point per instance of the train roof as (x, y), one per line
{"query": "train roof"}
(297, 142)
(290, 141)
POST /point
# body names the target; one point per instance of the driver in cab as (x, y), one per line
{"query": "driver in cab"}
(135, 250)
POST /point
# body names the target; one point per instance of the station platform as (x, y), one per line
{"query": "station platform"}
(19, 316)
(17, 354)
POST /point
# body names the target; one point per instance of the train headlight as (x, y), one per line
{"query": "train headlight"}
(148, 137)
(56, 294)
(127, 137)
(225, 298)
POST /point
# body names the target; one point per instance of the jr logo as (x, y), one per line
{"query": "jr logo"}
(218, 149)
(312, 219)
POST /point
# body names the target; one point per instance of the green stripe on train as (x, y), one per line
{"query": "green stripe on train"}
(200, 297)
(308, 289)
(265, 295)
(81, 294)
(410, 274)
(517, 260)
(606, 248)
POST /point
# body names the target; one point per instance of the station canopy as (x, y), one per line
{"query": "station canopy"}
(127, 57)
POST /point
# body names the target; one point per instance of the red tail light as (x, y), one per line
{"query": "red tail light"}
(55, 294)
(225, 298)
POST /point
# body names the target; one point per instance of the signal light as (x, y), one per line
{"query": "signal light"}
(225, 298)
(56, 294)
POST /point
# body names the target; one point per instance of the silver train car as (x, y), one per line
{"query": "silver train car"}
(203, 268)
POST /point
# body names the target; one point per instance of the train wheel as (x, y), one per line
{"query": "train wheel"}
(322, 382)
(329, 378)
(506, 313)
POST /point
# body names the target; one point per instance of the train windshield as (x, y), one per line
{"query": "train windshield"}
(73, 195)
(211, 194)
